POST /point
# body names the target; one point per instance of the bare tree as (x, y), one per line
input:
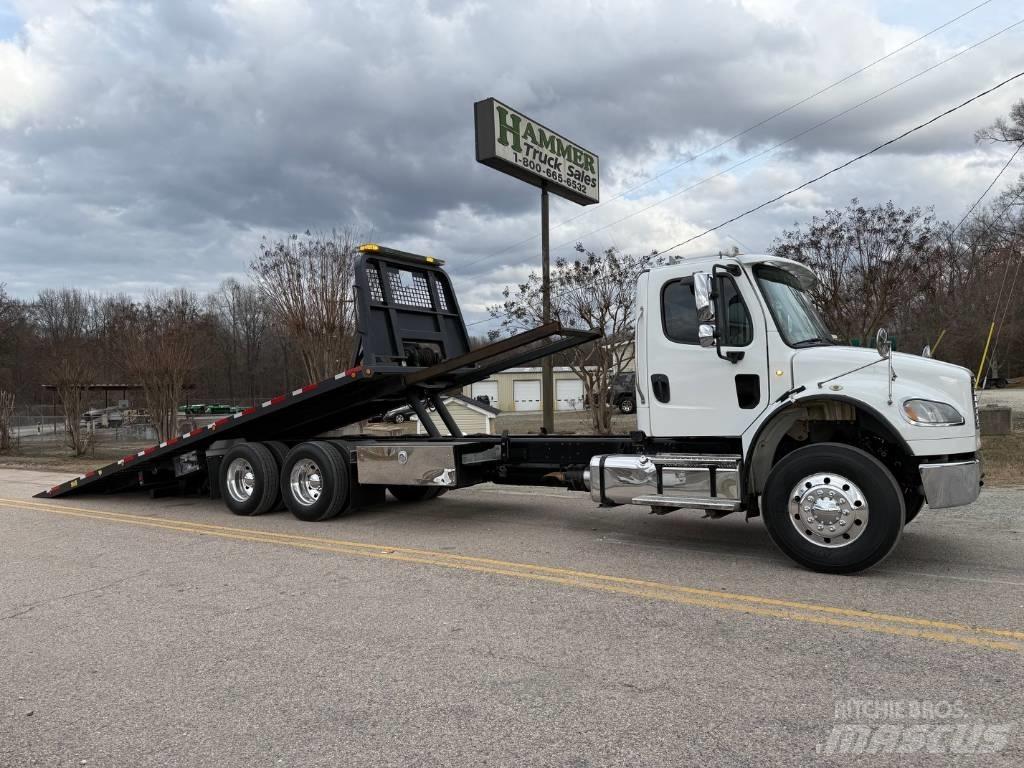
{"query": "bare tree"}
(64, 320)
(868, 261)
(6, 418)
(245, 321)
(158, 347)
(1010, 131)
(596, 293)
(308, 281)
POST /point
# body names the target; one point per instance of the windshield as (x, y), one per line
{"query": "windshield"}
(797, 319)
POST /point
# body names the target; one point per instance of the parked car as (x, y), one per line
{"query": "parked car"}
(395, 416)
(622, 393)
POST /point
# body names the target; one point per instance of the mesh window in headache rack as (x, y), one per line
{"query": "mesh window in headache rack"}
(409, 288)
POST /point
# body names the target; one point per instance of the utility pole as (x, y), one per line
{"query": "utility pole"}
(547, 385)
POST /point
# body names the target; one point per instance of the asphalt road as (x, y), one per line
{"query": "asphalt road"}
(496, 628)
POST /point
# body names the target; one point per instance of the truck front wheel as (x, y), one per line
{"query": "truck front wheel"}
(315, 481)
(833, 508)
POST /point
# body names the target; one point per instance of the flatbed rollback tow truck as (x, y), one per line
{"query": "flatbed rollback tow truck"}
(744, 404)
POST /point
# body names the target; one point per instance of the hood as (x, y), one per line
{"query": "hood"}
(917, 377)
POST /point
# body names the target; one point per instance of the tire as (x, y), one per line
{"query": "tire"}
(280, 451)
(866, 511)
(399, 418)
(249, 479)
(315, 481)
(913, 501)
(411, 493)
(627, 405)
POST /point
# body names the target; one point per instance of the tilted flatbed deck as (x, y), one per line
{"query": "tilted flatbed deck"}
(407, 311)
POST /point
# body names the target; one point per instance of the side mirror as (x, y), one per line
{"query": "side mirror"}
(706, 335)
(927, 351)
(882, 343)
(703, 288)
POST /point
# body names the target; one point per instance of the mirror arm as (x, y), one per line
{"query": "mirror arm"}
(733, 356)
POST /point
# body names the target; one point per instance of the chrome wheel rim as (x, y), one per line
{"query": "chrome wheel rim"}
(241, 480)
(828, 510)
(306, 482)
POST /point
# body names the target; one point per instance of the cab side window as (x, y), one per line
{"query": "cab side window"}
(737, 330)
(679, 311)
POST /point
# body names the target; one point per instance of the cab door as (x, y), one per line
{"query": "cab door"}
(695, 391)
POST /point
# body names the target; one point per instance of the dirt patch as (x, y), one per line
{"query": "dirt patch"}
(50, 457)
(1003, 459)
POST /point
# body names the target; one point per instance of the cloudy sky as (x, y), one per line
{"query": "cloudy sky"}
(151, 144)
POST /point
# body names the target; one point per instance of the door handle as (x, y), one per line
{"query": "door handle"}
(660, 388)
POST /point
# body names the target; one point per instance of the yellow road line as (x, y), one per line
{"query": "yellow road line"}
(750, 604)
(717, 595)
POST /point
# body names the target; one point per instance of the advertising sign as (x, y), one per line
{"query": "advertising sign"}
(509, 141)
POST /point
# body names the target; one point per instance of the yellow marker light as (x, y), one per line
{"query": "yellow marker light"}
(369, 248)
(429, 259)
(778, 373)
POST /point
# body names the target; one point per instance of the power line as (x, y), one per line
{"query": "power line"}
(987, 190)
(744, 132)
(774, 147)
(848, 163)
(838, 168)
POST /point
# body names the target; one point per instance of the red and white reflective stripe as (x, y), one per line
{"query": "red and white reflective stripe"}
(350, 373)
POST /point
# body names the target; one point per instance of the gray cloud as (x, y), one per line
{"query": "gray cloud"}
(152, 144)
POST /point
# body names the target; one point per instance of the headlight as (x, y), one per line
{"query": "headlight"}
(931, 412)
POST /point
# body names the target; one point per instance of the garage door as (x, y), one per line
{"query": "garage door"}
(489, 388)
(569, 394)
(526, 395)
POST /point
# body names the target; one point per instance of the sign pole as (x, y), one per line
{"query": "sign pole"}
(547, 374)
(510, 142)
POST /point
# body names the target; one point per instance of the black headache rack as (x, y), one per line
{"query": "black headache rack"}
(413, 347)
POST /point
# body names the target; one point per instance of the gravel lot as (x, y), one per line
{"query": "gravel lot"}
(169, 633)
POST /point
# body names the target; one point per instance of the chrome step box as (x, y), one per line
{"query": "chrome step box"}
(678, 480)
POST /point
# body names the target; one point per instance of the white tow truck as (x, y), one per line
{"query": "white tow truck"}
(837, 447)
(744, 403)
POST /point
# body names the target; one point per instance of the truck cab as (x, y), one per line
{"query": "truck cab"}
(836, 446)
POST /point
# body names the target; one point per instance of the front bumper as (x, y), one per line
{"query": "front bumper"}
(951, 484)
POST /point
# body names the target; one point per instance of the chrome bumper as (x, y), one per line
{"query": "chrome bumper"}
(952, 484)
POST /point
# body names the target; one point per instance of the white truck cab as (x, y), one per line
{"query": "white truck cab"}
(837, 447)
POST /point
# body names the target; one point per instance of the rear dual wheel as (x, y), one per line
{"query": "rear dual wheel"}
(315, 481)
(249, 482)
(312, 479)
